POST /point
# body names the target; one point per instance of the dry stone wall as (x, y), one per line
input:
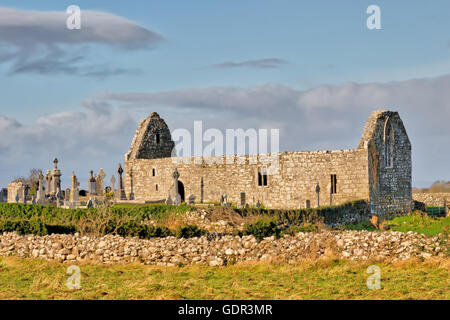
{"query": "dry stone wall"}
(432, 199)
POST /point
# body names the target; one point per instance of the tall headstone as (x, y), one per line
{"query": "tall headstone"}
(74, 191)
(48, 188)
(169, 199)
(92, 184)
(120, 188)
(40, 198)
(56, 177)
(190, 197)
(4, 195)
(100, 185)
(25, 191)
(59, 198)
(131, 195)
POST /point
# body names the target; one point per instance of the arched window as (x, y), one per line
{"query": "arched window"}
(158, 138)
(389, 144)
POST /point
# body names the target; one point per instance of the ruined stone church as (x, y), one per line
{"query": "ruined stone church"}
(378, 170)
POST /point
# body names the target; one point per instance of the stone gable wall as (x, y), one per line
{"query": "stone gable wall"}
(390, 186)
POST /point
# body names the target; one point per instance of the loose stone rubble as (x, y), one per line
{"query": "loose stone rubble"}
(222, 250)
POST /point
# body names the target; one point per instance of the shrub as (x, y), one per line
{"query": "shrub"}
(135, 229)
(36, 227)
(265, 227)
(307, 227)
(189, 231)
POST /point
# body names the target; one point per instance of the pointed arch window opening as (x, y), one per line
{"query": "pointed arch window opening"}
(389, 145)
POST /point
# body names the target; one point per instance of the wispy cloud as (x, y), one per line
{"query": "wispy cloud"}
(39, 41)
(269, 63)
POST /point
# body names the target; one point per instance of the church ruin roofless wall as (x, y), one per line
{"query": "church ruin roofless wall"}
(361, 173)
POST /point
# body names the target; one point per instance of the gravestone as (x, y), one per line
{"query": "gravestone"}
(92, 184)
(74, 191)
(177, 197)
(3, 195)
(318, 194)
(120, 188)
(48, 178)
(131, 196)
(99, 183)
(191, 197)
(59, 198)
(40, 192)
(56, 177)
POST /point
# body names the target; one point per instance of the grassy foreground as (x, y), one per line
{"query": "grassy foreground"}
(318, 279)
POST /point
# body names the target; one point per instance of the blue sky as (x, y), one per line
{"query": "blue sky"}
(318, 43)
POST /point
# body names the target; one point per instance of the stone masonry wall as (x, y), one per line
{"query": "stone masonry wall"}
(390, 183)
(290, 187)
(432, 199)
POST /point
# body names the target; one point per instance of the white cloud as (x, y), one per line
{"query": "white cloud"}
(39, 41)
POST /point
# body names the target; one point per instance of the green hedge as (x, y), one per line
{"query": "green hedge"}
(124, 221)
(326, 214)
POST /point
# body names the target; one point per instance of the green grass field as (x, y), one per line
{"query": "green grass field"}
(318, 279)
(424, 224)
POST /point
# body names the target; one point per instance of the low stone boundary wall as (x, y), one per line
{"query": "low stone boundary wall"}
(170, 251)
(432, 199)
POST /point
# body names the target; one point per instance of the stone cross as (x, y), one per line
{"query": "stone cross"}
(56, 177)
(120, 189)
(177, 197)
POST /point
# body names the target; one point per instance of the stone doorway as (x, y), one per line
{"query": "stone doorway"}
(181, 189)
